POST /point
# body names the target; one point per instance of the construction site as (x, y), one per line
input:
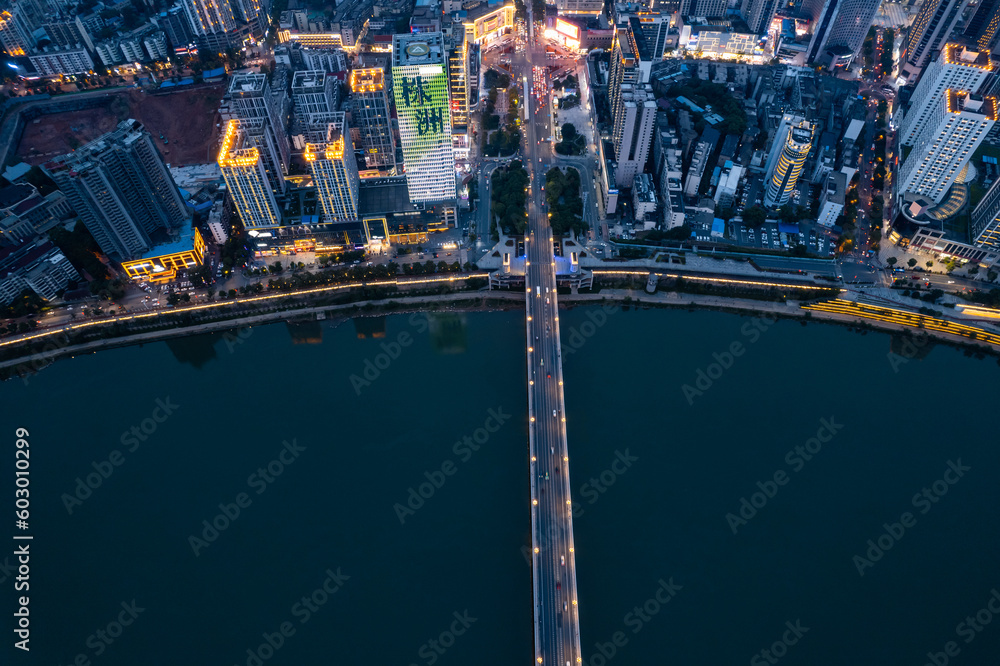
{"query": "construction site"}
(184, 125)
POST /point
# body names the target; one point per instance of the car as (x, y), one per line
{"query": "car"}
(553, 412)
(562, 560)
(558, 585)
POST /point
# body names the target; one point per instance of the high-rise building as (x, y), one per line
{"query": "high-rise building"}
(839, 30)
(250, 97)
(175, 23)
(458, 82)
(929, 30)
(781, 181)
(631, 61)
(420, 89)
(210, 17)
(984, 227)
(779, 139)
(945, 143)
(580, 7)
(654, 24)
(957, 68)
(313, 92)
(984, 25)
(370, 114)
(633, 132)
(335, 172)
(246, 176)
(758, 14)
(16, 32)
(707, 8)
(121, 189)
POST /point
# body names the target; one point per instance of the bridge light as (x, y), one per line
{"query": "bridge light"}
(536, 550)
(534, 502)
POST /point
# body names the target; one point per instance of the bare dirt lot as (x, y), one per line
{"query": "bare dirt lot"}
(187, 120)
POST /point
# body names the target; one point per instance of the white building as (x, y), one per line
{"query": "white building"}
(420, 88)
(785, 172)
(729, 184)
(644, 201)
(69, 61)
(132, 49)
(335, 172)
(247, 178)
(156, 45)
(634, 131)
(956, 69)
(945, 144)
(831, 202)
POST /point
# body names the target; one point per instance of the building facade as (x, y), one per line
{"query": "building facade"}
(984, 228)
(933, 24)
(839, 30)
(420, 89)
(633, 131)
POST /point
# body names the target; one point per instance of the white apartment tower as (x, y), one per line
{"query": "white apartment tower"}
(246, 178)
(945, 143)
(633, 131)
(957, 68)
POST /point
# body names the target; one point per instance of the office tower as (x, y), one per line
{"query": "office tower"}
(15, 32)
(778, 141)
(631, 61)
(839, 29)
(957, 68)
(758, 14)
(420, 89)
(984, 228)
(370, 114)
(210, 17)
(932, 26)
(982, 27)
(246, 176)
(335, 172)
(633, 132)
(121, 189)
(782, 179)
(250, 97)
(707, 8)
(946, 142)
(654, 25)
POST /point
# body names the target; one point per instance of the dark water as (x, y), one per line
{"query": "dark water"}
(452, 570)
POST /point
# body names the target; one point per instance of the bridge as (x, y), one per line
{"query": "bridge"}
(557, 626)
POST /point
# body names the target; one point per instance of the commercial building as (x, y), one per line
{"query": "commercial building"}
(982, 28)
(335, 172)
(944, 145)
(831, 202)
(371, 116)
(933, 24)
(246, 176)
(758, 14)
(957, 68)
(313, 91)
(162, 262)
(633, 131)
(101, 180)
(420, 89)
(839, 30)
(984, 228)
(784, 176)
(580, 7)
(458, 86)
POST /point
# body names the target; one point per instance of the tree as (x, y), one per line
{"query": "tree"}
(754, 217)
(568, 131)
(991, 275)
(930, 264)
(911, 263)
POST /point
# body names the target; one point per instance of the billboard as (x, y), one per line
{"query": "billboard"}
(488, 26)
(422, 107)
(570, 30)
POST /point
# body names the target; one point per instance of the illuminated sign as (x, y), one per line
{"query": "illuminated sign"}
(491, 24)
(568, 29)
